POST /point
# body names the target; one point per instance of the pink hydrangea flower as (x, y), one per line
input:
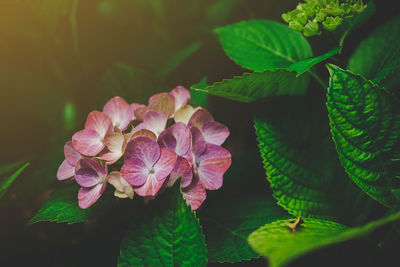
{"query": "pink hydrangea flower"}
(153, 157)
(210, 161)
(147, 166)
(90, 141)
(212, 131)
(119, 112)
(92, 177)
(67, 167)
(178, 137)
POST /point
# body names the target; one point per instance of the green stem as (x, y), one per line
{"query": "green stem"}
(318, 79)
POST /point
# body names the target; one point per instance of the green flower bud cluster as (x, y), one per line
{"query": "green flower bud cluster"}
(310, 16)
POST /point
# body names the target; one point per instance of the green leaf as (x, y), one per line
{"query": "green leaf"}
(365, 125)
(254, 86)
(178, 59)
(304, 65)
(197, 97)
(378, 56)
(166, 233)
(263, 45)
(5, 182)
(301, 163)
(62, 206)
(227, 226)
(276, 242)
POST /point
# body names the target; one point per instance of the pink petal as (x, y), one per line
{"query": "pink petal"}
(88, 196)
(65, 171)
(199, 118)
(215, 133)
(135, 172)
(212, 164)
(182, 169)
(143, 148)
(120, 184)
(87, 142)
(153, 121)
(181, 97)
(133, 107)
(119, 112)
(151, 187)
(198, 142)
(162, 102)
(71, 155)
(89, 172)
(177, 137)
(165, 164)
(194, 195)
(99, 122)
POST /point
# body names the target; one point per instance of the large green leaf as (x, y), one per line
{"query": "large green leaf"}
(365, 125)
(166, 233)
(378, 56)
(62, 206)
(263, 45)
(301, 163)
(254, 86)
(229, 223)
(276, 242)
(5, 182)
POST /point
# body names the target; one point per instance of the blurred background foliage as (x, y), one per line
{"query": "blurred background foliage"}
(60, 59)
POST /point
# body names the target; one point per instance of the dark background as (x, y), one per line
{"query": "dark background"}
(59, 57)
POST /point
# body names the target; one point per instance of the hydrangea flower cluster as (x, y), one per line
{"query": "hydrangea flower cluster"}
(308, 16)
(142, 149)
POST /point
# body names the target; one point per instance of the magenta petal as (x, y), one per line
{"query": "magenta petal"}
(87, 142)
(200, 117)
(165, 164)
(213, 163)
(143, 148)
(134, 171)
(194, 195)
(71, 155)
(151, 187)
(88, 196)
(181, 132)
(198, 142)
(89, 172)
(119, 112)
(166, 139)
(181, 97)
(153, 121)
(65, 171)
(215, 132)
(99, 122)
(182, 169)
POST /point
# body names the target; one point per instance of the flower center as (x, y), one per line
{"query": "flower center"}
(152, 171)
